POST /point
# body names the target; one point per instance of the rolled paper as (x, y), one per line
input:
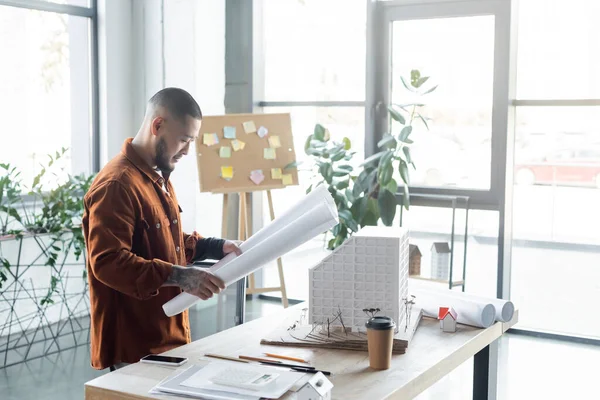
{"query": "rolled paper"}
(313, 215)
(472, 312)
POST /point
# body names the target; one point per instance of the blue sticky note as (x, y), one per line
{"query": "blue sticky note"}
(229, 132)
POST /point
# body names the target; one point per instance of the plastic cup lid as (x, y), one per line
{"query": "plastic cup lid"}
(380, 323)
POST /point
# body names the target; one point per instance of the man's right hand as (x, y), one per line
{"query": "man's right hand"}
(196, 281)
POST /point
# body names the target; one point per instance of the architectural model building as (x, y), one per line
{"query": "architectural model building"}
(447, 317)
(414, 267)
(369, 270)
(440, 261)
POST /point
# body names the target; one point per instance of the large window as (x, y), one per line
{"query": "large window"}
(46, 85)
(556, 247)
(314, 68)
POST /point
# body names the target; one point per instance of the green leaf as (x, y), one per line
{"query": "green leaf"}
(406, 151)
(326, 171)
(406, 197)
(340, 172)
(309, 189)
(293, 164)
(338, 156)
(345, 215)
(359, 208)
(415, 74)
(406, 85)
(15, 214)
(319, 132)
(421, 81)
(330, 244)
(396, 115)
(431, 90)
(392, 186)
(407, 130)
(387, 140)
(424, 121)
(403, 169)
(385, 175)
(346, 167)
(387, 206)
(343, 185)
(347, 144)
(373, 158)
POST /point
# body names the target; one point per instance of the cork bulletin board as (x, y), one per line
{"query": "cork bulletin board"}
(245, 153)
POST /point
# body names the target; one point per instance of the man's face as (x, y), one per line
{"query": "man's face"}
(173, 138)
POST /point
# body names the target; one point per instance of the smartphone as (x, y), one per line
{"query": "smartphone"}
(164, 360)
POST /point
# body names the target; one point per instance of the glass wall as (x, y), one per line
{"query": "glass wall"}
(556, 247)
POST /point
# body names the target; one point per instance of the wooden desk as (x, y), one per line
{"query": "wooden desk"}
(431, 355)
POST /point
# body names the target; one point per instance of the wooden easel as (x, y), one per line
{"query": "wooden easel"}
(244, 228)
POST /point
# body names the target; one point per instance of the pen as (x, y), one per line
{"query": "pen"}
(297, 368)
(310, 371)
(280, 364)
(286, 357)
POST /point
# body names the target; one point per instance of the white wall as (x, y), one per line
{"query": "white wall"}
(194, 43)
(115, 43)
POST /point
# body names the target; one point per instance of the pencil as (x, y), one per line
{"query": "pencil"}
(286, 358)
(259, 359)
(225, 358)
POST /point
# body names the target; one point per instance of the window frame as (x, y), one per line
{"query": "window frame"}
(90, 12)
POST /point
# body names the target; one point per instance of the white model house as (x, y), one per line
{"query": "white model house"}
(370, 270)
(447, 317)
(440, 260)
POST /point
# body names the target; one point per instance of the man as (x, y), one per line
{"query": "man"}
(136, 249)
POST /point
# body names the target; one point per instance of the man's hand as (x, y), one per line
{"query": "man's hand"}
(232, 246)
(196, 281)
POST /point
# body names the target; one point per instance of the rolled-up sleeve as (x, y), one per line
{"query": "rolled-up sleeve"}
(190, 241)
(110, 216)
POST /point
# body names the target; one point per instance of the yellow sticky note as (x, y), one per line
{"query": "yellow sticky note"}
(227, 173)
(249, 126)
(269, 153)
(275, 173)
(225, 152)
(274, 142)
(210, 139)
(287, 179)
(238, 145)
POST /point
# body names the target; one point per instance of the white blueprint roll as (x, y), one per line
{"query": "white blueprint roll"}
(470, 312)
(315, 214)
(505, 309)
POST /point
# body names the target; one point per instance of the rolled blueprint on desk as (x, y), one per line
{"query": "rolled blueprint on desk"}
(472, 312)
(315, 214)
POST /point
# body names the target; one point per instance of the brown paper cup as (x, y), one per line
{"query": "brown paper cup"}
(380, 339)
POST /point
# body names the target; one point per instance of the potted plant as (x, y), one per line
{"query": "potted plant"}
(43, 285)
(367, 194)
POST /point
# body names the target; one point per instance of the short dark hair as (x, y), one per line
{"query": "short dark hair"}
(178, 102)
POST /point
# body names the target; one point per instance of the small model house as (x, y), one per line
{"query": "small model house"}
(440, 261)
(414, 260)
(369, 270)
(447, 317)
(317, 388)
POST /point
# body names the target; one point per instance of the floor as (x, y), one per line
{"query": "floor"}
(529, 368)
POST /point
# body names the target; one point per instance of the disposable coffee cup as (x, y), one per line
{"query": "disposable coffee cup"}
(380, 339)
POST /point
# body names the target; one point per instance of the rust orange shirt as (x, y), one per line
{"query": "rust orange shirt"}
(133, 237)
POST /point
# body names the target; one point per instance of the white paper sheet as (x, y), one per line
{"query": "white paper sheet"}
(172, 386)
(313, 215)
(284, 382)
(470, 312)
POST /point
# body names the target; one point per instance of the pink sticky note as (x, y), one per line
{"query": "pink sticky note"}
(257, 176)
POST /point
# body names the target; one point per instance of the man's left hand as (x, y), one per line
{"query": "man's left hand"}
(232, 246)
